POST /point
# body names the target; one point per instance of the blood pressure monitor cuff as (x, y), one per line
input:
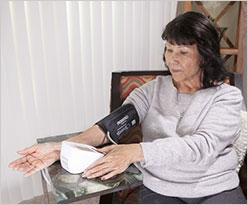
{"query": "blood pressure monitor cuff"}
(119, 122)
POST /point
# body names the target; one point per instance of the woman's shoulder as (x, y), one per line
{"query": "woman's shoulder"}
(228, 91)
(163, 80)
(159, 81)
(226, 88)
(221, 93)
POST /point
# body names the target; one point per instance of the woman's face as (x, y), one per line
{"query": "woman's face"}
(183, 62)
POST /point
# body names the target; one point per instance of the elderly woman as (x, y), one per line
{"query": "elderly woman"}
(190, 120)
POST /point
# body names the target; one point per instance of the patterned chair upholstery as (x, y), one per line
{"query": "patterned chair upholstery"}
(121, 86)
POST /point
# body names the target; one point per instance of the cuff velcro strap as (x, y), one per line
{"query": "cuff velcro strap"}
(119, 122)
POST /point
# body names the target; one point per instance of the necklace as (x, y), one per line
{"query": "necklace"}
(183, 103)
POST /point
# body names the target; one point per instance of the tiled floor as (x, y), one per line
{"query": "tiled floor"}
(40, 200)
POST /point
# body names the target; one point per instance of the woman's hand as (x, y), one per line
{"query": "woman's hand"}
(37, 157)
(116, 161)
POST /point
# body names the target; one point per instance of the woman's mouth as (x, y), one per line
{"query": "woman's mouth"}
(176, 70)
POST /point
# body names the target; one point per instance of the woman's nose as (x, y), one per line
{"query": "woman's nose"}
(175, 57)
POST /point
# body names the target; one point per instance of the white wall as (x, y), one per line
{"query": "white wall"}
(56, 64)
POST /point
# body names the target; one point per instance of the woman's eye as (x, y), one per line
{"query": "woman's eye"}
(169, 50)
(183, 52)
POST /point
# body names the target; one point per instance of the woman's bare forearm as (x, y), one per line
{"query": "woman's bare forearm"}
(93, 136)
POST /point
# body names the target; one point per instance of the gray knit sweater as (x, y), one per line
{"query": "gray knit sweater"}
(188, 154)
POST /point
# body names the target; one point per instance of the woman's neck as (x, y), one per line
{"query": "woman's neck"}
(187, 87)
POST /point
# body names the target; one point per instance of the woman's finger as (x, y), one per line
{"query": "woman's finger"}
(28, 168)
(31, 159)
(105, 160)
(32, 171)
(22, 163)
(17, 162)
(97, 163)
(95, 167)
(28, 150)
(109, 175)
(99, 172)
(24, 167)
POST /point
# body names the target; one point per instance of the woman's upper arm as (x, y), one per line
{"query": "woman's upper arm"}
(141, 98)
(223, 119)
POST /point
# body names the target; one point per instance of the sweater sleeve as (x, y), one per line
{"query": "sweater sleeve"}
(215, 135)
(141, 99)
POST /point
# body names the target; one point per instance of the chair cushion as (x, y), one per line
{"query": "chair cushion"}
(241, 143)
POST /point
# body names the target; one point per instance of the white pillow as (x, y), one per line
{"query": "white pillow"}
(241, 143)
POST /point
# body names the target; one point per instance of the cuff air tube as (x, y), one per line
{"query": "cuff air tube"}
(119, 122)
